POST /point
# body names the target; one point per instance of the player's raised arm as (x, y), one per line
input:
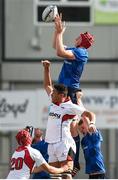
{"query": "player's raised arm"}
(55, 31)
(58, 39)
(92, 118)
(54, 39)
(47, 77)
(80, 110)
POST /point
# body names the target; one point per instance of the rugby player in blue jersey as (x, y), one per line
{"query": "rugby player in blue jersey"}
(75, 59)
(91, 145)
(39, 143)
(42, 146)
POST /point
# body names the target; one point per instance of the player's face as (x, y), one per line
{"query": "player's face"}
(57, 97)
(83, 128)
(37, 135)
(78, 41)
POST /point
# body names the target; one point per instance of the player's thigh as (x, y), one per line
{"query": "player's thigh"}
(65, 153)
(51, 153)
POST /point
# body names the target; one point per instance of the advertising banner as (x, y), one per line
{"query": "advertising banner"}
(104, 103)
(21, 108)
(106, 11)
(17, 109)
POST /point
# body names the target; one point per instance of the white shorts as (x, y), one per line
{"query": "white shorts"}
(59, 151)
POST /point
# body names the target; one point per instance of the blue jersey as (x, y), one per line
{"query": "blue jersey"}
(91, 145)
(72, 69)
(41, 146)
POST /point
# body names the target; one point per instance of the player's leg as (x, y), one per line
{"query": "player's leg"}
(70, 162)
(53, 161)
(76, 159)
(67, 175)
(65, 152)
(75, 96)
(97, 176)
(72, 95)
(76, 137)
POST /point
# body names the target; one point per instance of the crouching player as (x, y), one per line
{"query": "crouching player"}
(91, 145)
(26, 160)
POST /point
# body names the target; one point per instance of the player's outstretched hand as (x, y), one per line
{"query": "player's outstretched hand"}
(65, 168)
(46, 63)
(59, 25)
(92, 127)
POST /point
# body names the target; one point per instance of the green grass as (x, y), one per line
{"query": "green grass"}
(106, 17)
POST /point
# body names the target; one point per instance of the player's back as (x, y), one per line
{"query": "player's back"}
(21, 163)
(91, 145)
(72, 69)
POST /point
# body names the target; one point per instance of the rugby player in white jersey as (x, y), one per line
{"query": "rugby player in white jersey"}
(61, 146)
(26, 160)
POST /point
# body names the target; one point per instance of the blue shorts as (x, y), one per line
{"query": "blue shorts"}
(73, 94)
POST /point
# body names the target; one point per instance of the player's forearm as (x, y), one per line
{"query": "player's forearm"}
(47, 77)
(37, 169)
(59, 45)
(90, 115)
(54, 170)
(54, 40)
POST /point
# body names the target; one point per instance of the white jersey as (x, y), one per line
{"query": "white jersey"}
(59, 119)
(80, 104)
(22, 162)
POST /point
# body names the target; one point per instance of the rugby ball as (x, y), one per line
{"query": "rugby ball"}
(49, 13)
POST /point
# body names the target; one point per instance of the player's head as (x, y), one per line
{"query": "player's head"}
(84, 40)
(59, 93)
(37, 135)
(24, 138)
(83, 125)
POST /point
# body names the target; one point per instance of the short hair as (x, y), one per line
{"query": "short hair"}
(61, 89)
(39, 130)
(80, 122)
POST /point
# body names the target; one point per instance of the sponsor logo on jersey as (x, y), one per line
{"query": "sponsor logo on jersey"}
(55, 115)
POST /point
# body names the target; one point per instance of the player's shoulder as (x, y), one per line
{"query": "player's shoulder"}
(81, 51)
(97, 135)
(71, 105)
(66, 104)
(32, 150)
(35, 154)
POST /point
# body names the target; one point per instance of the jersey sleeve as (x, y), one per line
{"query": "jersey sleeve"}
(80, 54)
(78, 110)
(96, 136)
(37, 157)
